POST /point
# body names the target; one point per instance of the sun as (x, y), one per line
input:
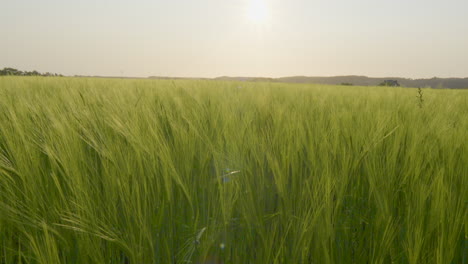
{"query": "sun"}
(257, 12)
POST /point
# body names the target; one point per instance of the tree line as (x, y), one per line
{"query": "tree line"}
(16, 72)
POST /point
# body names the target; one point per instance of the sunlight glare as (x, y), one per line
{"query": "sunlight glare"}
(258, 12)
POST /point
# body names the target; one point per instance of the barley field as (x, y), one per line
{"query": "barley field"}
(160, 171)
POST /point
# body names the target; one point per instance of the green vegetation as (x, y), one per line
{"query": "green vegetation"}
(160, 171)
(15, 72)
(389, 83)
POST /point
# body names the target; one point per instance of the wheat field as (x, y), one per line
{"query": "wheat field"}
(193, 171)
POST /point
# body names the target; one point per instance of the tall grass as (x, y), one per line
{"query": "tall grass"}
(141, 171)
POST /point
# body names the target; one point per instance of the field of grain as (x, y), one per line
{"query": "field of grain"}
(160, 171)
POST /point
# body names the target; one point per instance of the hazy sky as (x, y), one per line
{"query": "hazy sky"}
(208, 38)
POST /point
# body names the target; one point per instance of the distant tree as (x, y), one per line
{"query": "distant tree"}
(347, 84)
(10, 71)
(15, 72)
(392, 83)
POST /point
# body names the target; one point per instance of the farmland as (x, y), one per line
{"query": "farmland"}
(161, 171)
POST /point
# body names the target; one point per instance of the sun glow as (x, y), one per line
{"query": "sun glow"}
(257, 12)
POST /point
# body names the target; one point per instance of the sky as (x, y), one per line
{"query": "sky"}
(209, 38)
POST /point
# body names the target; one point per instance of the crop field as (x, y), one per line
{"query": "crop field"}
(209, 172)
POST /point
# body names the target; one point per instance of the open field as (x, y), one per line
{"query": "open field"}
(160, 171)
